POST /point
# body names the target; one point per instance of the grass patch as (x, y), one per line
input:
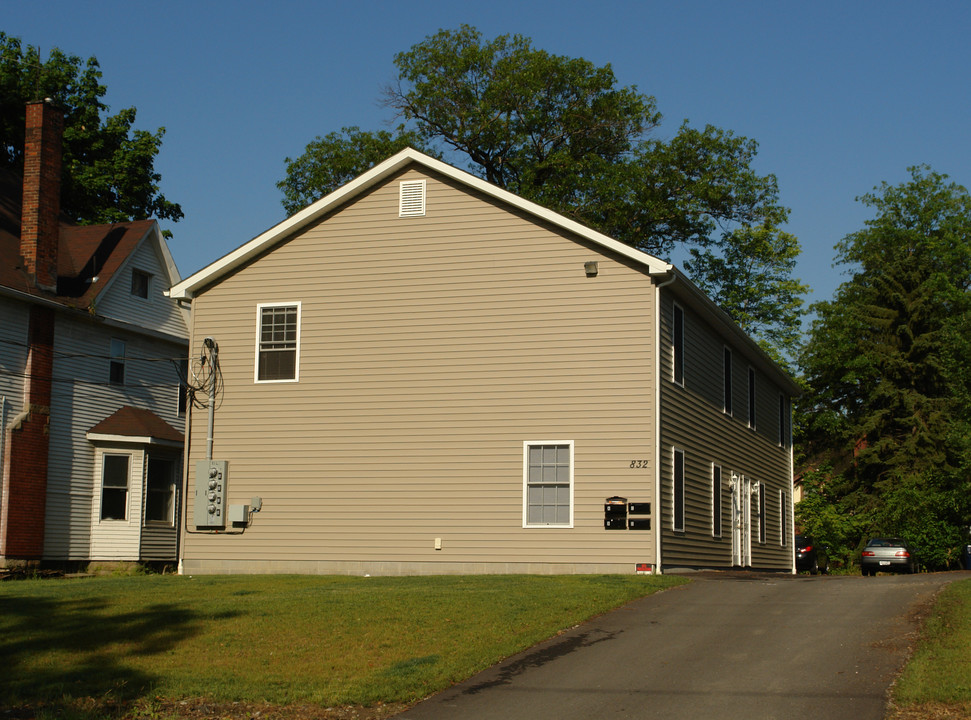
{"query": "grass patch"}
(278, 639)
(936, 683)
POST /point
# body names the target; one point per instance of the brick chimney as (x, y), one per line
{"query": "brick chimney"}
(42, 193)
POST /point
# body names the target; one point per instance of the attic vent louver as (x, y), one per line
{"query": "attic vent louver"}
(411, 198)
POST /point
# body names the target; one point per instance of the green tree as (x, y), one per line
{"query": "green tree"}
(108, 167)
(886, 364)
(560, 131)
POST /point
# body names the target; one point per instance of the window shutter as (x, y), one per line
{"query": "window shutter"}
(411, 198)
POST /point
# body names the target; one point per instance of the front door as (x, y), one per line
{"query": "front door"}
(741, 521)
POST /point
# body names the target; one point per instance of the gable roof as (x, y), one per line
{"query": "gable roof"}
(88, 256)
(344, 194)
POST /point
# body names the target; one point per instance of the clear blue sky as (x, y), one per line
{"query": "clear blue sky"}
(839, 95)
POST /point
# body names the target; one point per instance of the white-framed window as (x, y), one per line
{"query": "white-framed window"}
(548, 483)
(116, 363)
(411, 198)
(677, 342)
(716, 500)
(115, 474)
(160, 490)
(760, 488)
(677, 491)
(141, 283)
(783, 420)
(783, 518)
(278, 342)
(727, 392)
(751, 398)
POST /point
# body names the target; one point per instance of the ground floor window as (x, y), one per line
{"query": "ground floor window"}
(783, 518)
(548, 480)
(160, 487)
(678, 491)
(115, 471)
(716, 501)
(761, 491)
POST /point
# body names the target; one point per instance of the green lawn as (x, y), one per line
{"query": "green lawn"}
(937, 679)
(278, 639)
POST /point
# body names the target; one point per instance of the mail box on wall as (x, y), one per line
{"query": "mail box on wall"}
(615, 513)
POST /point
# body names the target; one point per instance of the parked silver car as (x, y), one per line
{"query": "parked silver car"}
(888, 555)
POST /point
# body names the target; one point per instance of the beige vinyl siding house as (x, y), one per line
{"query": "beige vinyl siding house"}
(422, 373)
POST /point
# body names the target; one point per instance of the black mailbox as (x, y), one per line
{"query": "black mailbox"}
(638, 523)
(636, 508)
(615, 513)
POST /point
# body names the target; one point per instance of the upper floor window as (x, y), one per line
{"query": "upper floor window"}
(549, 484)
(677, 338)
(140, 283)
(751, 398)
(278, 342)
(728, 382)
(783, 421)
(116, 366)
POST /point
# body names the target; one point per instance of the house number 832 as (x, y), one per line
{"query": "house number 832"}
(638, 464)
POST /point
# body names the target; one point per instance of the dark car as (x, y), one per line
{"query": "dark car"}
(810, 555)
(888, 555)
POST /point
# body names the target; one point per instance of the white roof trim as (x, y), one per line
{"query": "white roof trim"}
(187, 288)
(131, 439)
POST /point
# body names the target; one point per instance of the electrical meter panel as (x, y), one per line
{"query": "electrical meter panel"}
(210, 507)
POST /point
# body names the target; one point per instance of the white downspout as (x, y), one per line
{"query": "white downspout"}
(658, 507)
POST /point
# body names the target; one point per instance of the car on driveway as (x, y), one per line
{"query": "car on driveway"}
(888, 555)
(810, 556)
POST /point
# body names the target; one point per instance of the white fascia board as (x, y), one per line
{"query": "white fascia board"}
(131, 440)
(187, 288)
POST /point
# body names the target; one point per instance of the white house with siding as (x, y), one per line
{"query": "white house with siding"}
(91, 352)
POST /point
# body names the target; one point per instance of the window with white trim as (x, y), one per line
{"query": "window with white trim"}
(677, 341)
(751, 398)
(677, 491)
(278, 342)
(160, 490)
(115, 472)
(716, 500)
(548, 484)
(783, 420)
(761, 491)
(727, 370)
(783, 518)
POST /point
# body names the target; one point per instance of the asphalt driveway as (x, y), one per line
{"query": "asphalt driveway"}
(729, 645)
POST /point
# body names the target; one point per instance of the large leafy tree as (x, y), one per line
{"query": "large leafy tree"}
(108, 167)
(887, 366)
(560, 131)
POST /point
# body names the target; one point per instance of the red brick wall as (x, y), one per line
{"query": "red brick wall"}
(26, 450)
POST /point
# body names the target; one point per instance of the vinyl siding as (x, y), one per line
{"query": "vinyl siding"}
(13, 353)
(81, 398)
(431, 349)
(692, 419)
(156, 312)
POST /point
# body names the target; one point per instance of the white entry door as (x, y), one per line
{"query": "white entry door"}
(741, 521)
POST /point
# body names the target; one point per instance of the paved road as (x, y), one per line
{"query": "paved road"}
(729, 645)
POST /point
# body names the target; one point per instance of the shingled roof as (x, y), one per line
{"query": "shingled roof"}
(88, 255)
(131, 422)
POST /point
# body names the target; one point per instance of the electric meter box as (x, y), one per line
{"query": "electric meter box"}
(210, 508)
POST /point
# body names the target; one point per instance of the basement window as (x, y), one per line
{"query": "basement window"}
(411, 198)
